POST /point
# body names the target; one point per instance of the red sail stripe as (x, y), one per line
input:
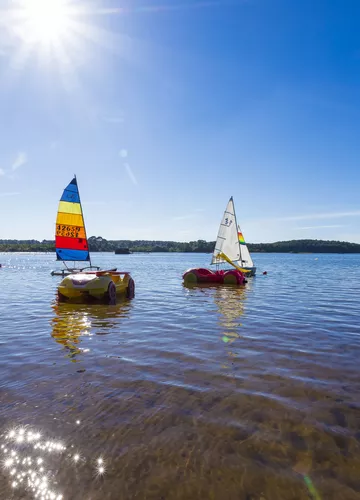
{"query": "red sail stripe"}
(71, 243)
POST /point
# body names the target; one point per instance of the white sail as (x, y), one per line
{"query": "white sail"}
(227, 241)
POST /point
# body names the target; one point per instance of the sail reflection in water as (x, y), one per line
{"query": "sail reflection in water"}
(75, 324)
(230, 304)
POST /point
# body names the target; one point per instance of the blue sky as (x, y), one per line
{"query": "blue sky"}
(166, 109)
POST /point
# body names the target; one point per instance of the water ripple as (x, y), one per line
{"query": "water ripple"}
(200, 392)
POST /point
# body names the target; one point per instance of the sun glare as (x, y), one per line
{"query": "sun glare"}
(57, 35)
(45, 21)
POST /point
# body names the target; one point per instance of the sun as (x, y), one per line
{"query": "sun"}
(45, 21)
(59, 37)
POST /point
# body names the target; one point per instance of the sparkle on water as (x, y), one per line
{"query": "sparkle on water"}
(28, 465)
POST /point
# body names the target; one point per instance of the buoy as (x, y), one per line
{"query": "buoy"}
(265, 272)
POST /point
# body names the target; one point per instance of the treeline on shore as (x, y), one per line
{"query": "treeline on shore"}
(99, 244)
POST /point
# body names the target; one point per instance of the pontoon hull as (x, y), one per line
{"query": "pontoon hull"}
(102, 286)
(201, 275)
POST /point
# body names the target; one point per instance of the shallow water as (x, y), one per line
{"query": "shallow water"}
(184, 393)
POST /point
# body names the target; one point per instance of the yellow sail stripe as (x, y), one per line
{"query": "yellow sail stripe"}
(69, 208)
(70, 219)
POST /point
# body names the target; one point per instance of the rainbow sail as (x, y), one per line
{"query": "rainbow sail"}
(70, 236)
(241, 239)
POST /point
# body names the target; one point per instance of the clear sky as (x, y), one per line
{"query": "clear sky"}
(164, 109)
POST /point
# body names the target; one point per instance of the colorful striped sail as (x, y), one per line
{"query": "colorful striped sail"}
(241, 238)
(70, 236)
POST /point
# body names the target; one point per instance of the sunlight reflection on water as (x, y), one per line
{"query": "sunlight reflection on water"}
(31, 461)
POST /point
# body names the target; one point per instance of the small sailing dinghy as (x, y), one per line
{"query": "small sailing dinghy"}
(87, 283)
(230, 247)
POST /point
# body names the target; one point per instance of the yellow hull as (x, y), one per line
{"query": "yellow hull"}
(96, 286)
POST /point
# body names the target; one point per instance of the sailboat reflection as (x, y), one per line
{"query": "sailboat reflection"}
(73, 324)
(230, 304)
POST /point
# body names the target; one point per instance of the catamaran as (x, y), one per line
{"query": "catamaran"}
(230, 248)
(87, 283)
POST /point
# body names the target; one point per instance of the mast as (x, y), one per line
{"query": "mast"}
(237, 230)
(83, 216)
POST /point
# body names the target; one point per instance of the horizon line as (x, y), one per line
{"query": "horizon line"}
(44, 240)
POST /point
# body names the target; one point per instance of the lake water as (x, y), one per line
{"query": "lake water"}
(200, 393)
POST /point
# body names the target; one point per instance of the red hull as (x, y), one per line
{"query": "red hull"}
(201, 275)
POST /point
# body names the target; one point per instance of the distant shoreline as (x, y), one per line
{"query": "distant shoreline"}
(99, 244)
(194, 252)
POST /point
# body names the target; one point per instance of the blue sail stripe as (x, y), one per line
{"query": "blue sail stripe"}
(72, 187)
(71, 192)
(70, 196)
(67, 254)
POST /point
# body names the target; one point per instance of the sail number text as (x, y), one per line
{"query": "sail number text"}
(68, 231)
